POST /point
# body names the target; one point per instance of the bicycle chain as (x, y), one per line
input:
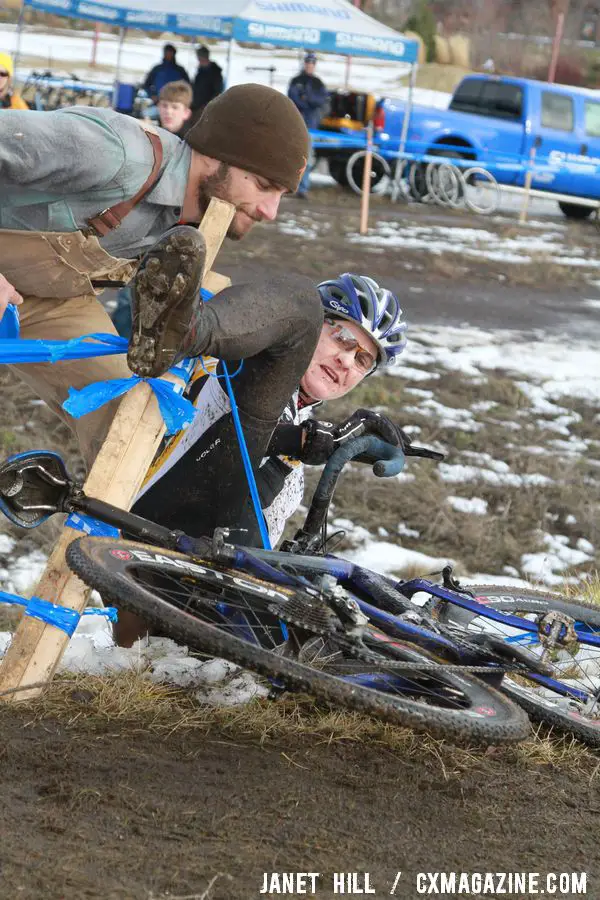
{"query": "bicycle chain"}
(365, 655)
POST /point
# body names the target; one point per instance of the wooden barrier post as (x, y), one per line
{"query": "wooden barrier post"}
(527, 186)
(116, 477)
(366, 182)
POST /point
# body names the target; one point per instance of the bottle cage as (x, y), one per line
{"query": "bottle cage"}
(33, 486)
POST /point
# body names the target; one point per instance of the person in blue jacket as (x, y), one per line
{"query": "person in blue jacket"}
(310, 96)
(166, 71)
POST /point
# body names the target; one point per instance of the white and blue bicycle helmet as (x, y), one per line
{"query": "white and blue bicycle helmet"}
(359, 299)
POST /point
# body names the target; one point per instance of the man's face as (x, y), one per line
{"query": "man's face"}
(309, 67)
(172, 115)
(333, 370)
(169, 55)
(203, 61)
(255, 198)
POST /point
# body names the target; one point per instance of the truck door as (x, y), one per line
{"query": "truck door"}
(555, 136)
(591, 145)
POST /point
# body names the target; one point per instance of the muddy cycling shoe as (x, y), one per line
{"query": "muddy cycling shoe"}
(166, 305)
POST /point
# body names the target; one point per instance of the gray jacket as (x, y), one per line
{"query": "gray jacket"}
(59, 168)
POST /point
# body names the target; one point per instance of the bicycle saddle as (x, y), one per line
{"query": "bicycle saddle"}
(33, 485)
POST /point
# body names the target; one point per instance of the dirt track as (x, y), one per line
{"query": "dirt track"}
(115, 812)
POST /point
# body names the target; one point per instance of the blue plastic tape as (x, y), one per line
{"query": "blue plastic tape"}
(62, 617)
(9, 323)
(84, 347)
(93, 527)
(177, 411)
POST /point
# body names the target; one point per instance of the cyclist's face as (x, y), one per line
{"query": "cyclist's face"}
(255, 198)
(333, 370)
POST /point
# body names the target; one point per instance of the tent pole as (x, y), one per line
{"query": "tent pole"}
(20, 27)
(229, 58)
(122, 33)
(404, 132)
(347, 77)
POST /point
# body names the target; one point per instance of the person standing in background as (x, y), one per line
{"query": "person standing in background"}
(166, 71)
(8, 98)
(208, 82)
(310, 97)
(174, 102)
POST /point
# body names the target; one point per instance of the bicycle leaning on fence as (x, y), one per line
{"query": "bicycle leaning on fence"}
(309, 621)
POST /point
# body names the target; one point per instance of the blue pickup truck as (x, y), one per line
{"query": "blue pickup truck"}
(497, 121)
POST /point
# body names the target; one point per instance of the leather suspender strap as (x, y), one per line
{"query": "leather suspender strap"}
(109, 219)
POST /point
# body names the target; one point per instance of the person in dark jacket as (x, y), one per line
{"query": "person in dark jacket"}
(166, 71)
(310, 96)
(208, 82)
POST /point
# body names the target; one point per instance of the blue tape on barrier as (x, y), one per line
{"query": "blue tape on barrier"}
(62, 617)
(9, 323)
(36, 351)
(93, 527)
(177, 411)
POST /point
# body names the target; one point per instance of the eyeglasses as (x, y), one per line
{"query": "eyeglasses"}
(4, 74)
(364, 360)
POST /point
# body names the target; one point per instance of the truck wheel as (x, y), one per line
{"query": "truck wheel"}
(337, 170)
(575, 210)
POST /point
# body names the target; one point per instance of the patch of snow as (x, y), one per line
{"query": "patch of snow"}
(474, 505)
(24, 573)
(387, 558)
(404, 531)
(544, 565)
(6, 543)
(457, 474)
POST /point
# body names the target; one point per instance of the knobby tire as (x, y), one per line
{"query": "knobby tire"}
(109, 566)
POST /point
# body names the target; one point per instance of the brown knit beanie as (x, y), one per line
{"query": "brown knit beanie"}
(255, 128)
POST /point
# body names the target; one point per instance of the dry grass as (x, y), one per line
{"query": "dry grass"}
(131, 702)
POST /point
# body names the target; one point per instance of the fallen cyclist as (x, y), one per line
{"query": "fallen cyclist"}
(300, 345)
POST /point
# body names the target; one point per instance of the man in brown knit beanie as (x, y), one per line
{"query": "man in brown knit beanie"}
(250, 147)
(84, 192)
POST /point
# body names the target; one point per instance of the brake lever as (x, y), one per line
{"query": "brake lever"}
(424, 453)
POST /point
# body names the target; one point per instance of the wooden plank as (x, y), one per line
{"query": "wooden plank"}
(214, 282)
(116, 476)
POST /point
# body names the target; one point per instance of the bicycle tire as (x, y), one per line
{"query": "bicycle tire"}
(481, 174)
(377, 162)
(540, 707)
(437, 186)
(457, 199)
(417, 182)
(110, 567)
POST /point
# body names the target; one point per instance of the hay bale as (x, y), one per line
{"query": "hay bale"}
(422, 55)
(460, 50)
(442, 50)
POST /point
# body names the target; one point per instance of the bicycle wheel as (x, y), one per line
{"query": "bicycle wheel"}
(380, 172)
(482, 193)
(214, 610)
(570, 700)
(443, 184)
(417, 182)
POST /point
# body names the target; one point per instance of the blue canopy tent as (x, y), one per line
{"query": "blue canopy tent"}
(330, 26)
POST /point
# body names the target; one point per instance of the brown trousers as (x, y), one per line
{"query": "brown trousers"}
(53, 272)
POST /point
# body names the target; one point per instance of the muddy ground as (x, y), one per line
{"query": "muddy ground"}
(119, 810)
(110, 811)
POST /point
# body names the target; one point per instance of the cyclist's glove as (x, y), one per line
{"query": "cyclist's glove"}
(322, 438)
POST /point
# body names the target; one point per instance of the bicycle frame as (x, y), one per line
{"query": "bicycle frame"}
(271, 565)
